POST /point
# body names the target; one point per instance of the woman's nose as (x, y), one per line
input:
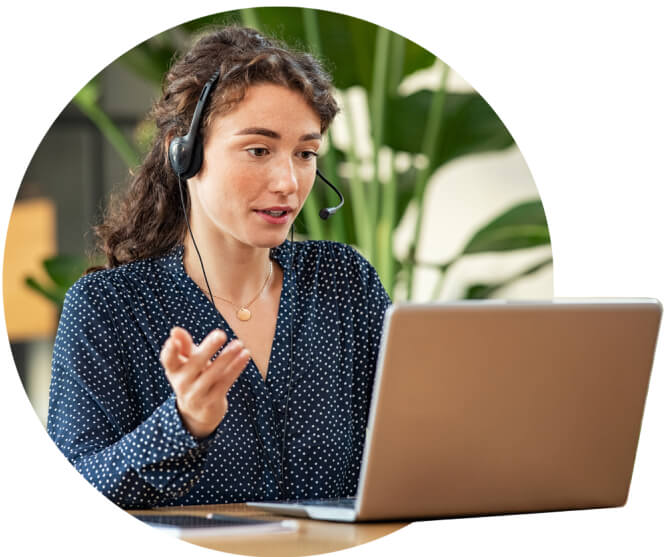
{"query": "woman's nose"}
(285, 180)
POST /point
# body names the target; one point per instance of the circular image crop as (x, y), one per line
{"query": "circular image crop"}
(204, 246)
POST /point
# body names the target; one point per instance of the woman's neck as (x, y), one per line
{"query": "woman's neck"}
(235, 271)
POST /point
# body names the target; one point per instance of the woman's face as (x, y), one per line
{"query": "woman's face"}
(259, 164)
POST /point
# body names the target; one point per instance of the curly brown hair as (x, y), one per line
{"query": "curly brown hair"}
(146, 220)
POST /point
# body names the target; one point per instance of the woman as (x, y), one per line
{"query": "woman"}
(144, 401)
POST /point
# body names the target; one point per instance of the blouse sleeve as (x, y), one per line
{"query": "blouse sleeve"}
(375, 302)
(135, 462)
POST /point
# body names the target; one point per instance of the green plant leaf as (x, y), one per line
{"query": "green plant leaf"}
(55, 295)
(347, 43)
(88, 95)
(149, 60)
(64, 270)
(522, 226)
(468, 125)
(479, 291)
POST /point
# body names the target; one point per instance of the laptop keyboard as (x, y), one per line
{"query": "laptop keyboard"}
(194, 521)
(341, 502)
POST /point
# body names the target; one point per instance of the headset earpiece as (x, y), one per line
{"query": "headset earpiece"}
(186, 157)
(186, 151)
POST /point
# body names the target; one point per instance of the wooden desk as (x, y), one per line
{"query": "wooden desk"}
(313, 536)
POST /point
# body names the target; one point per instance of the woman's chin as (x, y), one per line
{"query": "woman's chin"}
(270, 240)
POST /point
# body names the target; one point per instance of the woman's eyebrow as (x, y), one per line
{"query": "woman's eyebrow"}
(275, 135)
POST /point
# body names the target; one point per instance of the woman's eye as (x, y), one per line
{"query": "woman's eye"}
(307, 155)
(258, 151)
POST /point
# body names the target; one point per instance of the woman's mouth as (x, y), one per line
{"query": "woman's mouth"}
(274, 215)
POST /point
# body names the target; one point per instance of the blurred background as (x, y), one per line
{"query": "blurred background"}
(438, 197)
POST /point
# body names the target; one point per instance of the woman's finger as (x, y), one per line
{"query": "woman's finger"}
(204, 352)
(183, 369)
(215, 372)
(198, 360)
(184, 342)
(169, 357)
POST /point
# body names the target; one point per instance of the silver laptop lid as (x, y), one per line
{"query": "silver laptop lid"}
(492, 407)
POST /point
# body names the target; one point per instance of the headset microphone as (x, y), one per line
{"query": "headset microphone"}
(326, 212)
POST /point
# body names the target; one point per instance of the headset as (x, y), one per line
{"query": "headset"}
(186, 151)
(186, 157)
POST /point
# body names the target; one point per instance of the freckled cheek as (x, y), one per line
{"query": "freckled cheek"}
(250, 184)
(234, 187)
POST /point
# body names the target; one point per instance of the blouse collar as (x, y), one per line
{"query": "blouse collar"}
(173, 260)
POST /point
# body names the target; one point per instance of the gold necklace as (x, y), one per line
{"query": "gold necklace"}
(242, 312)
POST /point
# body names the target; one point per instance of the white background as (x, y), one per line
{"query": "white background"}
(583, 87)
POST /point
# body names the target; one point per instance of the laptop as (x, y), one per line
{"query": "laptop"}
(495, 407)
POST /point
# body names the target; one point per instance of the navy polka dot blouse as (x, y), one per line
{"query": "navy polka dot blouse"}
(112, 411)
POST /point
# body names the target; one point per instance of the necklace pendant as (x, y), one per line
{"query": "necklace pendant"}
(244, 314)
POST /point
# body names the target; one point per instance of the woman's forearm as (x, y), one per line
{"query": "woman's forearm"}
(154, 464)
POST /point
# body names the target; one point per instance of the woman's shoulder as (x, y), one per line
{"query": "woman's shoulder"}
(115, 279)
(331, 263)
(310, 251)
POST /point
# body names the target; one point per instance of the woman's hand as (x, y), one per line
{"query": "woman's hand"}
(201, 384)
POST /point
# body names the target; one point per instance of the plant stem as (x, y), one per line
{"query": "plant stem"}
(363, 226)
(111, 132)
(385, 231)
(428, 148)
(377, 115)
(249, 18)
(396, 60)
(312, 30)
